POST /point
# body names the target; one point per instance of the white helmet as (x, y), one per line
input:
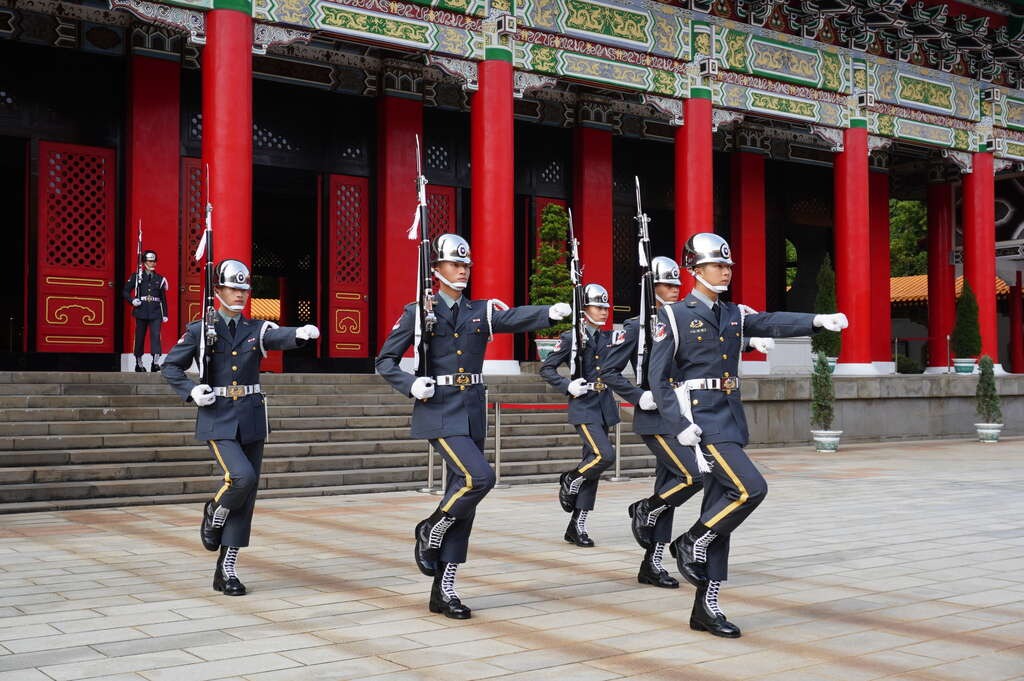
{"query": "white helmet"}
(451, 248)
(233, 274)
(706, 247)
(665, 271)
(595, 295)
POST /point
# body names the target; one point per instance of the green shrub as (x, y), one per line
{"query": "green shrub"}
(906, 365)
(966, 337)
(550, 282)
(987, 402)
(828, 342)
(822, 394)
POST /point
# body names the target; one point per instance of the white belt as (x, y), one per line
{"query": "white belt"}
(727, 384)
(236, 391)
(149, 299)
(459, 379)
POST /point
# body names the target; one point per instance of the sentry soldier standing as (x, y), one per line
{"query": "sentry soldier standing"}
(702, 338)
(592, 410)
(232, 416)
(146, 290)
(450, 408)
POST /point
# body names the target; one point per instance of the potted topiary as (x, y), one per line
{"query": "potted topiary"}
(549, 281)
(822, 406)
(828, 342)
(965, 341)
(987, 403)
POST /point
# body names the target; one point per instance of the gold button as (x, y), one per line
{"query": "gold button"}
(725, 356)
(721, 338)
(234, 382)
(462, 387)
(234, 368)
(456, 335)
(700, 337)
(696, 401)
(234, 352)
(726, 374)
(597, 356)
(458, 352)
(461, 370)
(597, 368)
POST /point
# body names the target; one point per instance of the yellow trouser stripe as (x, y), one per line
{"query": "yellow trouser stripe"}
(227, 475)
(679, 464)
(735, 480)
(469, 478)
(593, 446)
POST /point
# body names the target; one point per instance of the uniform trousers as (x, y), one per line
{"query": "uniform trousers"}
(470, 478)
(152, 326)
(676, 479)
(241, 465)
(598, 456)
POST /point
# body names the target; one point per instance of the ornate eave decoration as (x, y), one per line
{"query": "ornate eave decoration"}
(189, 21)
(525, 81)
(463, 70)
(721, 118)
(833, 136)
(268, 35)
(961, 159)
(670, 107)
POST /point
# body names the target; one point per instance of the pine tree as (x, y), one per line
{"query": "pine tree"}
(550, 282)
(966, 337)
(822, 395)
(987, 397)
(828, 342)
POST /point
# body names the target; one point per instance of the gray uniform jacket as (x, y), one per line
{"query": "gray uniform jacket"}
(235, 361)
(152, 286)
(454, 348)
(621, 352)
(593, 406)
(707, 351)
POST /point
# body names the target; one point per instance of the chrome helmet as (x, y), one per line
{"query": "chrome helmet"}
(665, 271)
(451, 248)
(595, 295)
(233, 274)
(706, 247)
(149, 256)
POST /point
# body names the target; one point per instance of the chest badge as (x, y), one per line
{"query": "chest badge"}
(696, 324)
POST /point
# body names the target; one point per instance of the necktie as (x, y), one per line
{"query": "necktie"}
(231, 327)
(455, 313)
(717, 309)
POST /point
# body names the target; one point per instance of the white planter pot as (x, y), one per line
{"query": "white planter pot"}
(826, 440)
(988, 432)
(963, 365)
(545, 346)
(831, 365)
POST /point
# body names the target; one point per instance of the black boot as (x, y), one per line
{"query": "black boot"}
(154, 367)
(651, 571)
(573, 533)
(443, 598)
(569, 489)
(689, 550)
(208, 532)
(139, 369)
(640, 514)
(706, 615)
(429, 534)
(224, 578)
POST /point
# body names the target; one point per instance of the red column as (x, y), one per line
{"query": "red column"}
(493, 190)
(853, 251)
(152, 159)
(399, 120)
(1016, 330)
(693, 150)
(881, 307)
(227, 127)
(748, 234)
(941, 274)
(980, 247)
(592, 212)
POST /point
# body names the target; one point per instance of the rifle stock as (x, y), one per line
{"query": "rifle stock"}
(425, 317)
(648, 304)
(579, 336)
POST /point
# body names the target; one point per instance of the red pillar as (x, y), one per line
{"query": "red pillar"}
(748, 235)
(227, 127)
(980, 247)
(592, 213)
(493, 187)
(881, 307)
(152, 159)
(853, 251)
(399, 120)
(693, 179)
(941, 274)
(1016, 330)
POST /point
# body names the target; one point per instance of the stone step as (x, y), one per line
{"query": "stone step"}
(131, 378)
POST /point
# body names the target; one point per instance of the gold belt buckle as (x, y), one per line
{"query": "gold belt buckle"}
(730, 384)
(236, 391)
(599, 386)
(463, 379)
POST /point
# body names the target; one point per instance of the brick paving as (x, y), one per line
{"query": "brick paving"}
(896, 560)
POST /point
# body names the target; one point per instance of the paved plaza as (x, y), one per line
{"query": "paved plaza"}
(894, 560)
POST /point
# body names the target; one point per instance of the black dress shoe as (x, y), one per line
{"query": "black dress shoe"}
(231, 586)
(209, 534)
(714, 623)
(661, 579)
(449, 607)
(139, 369)
(682, 550)
(426, 557)
(573, 535)
(638, 512)
(154, 368)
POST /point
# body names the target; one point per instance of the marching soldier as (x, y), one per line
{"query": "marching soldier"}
(698, 343)
(450, 407)
(592, 410)
(146, 290)
(232, 416)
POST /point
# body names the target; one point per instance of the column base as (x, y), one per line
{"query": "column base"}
(755, 367)
(998, 370)
(938, 370)
(856, 369)
(885, 367)
(501, 367)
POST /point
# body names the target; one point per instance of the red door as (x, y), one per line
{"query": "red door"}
(348, 261)
(193, 221)
(75, 249)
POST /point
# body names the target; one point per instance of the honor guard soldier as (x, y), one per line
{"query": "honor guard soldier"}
(592, 410)
(698, 342)
(450, 407)
(146, 290)
(232, 415)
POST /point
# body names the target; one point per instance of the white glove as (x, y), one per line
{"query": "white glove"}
(832, 322)
(422, 388)
(578, 387)
(136, 302)
(647, 402)
(307, 332)
(762, 344)
(165, 320)
(691, 436)
(559, 311)
(203, 395)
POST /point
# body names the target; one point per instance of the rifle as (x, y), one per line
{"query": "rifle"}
(648, 306)
(425, 317)
(138, 262)
(208, 340)
(579, 334)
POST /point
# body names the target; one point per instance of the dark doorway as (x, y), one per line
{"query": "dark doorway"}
(13, 197)
(284, 253)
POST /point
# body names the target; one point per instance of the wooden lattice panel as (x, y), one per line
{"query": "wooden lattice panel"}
(193, 214)
(349, 259)
(442, 210)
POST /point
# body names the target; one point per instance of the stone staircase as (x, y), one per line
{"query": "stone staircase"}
(87, 440)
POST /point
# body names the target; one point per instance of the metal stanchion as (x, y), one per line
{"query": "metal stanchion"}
(618, 454)
(429, 489)
(444, 480)
(497, 447)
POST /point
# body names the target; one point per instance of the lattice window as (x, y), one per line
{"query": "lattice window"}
(195, 126)
(262, 138)
(626, 276)
(352, 151)
(552, 173)
(304, 311)
(441, 213)
(7, 101)
(77, 211)
(348, 233)
(438, 157)
(195, 216)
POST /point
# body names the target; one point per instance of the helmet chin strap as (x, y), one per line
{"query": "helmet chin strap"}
(661, 300)
(591, 320)
(457, 285)
(233, 308)
(716, 289)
